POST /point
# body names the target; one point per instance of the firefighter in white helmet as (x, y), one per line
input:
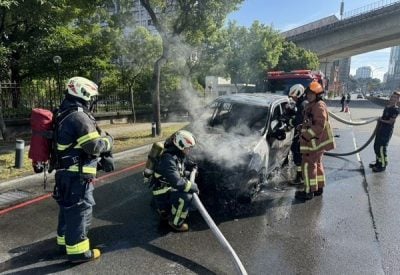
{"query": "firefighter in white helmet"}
(172, 190)
(79, 142)
(296, 93)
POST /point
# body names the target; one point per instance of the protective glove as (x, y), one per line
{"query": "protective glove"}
(190, 165)
(106, 162)
(194, 188)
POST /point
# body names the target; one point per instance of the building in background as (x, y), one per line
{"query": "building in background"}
(385, 77)
(218, 86)
(140, 16)
(364, 72)
(344, 73)
(393, 74)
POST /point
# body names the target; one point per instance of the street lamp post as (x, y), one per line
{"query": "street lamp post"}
(57, 60)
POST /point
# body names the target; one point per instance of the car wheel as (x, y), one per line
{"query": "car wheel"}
(253, 186)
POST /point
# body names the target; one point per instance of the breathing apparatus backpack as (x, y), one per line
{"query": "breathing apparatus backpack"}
(43, 146)
(41, 140)
(152, 158)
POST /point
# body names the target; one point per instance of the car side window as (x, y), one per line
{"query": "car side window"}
(276, 113)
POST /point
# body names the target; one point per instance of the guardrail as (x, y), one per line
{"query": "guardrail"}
(394, 6)
(368, 8)
(378, 100)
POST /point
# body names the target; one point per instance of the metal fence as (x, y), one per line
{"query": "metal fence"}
(368, 8)
(17, 101)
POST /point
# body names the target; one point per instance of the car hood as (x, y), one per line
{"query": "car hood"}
(228, 150)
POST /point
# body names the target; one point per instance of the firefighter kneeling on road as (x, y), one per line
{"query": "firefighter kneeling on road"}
(296, 93)
(79, 144)
(172, 190)
(315, 138)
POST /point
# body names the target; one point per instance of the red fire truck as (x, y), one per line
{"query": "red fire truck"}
(279, 82)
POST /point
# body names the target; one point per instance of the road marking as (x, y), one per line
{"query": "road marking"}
(45, 196)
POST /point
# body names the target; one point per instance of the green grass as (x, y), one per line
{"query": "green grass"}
(128, 139)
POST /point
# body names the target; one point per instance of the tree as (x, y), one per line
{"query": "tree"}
(296, 58)
(137, 52)
(188, 21)
(80, 31)
(251, 52)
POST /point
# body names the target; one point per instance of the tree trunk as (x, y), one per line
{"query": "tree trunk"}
(156, 94)
(132, 104)
(3, 129)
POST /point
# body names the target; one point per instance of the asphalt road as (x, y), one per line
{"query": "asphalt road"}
(351, 229)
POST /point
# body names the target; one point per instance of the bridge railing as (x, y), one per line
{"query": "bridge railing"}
(368, 8)
(393, 6)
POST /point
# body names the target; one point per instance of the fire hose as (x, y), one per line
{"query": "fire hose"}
(215, 230)
(354, 123)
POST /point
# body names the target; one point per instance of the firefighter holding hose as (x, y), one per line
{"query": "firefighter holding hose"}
(315, 138)
(384, 131)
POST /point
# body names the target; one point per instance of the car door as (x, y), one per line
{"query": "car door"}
(278, 148)
(274, 144)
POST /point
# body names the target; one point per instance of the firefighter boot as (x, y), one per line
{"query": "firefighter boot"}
(298, 180)
(61, 249)
(372, 164)
(378, 168)
(163, 214)
(319, 192)
(179, 228)
(89, 255)
(302, 195)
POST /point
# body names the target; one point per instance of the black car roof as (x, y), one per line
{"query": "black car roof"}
(256, 99)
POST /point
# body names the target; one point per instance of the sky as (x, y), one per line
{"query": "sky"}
(288, 14)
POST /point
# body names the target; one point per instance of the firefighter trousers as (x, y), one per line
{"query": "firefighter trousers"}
(295, 148)
(176, 202)
(381, 143)
(313, 171)
(74, 195)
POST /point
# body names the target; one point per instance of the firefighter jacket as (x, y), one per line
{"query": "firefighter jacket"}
(169, 172)
(78, 139)
(390, 112)
(316, 132)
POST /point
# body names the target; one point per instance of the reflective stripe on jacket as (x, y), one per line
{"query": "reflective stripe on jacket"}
(316, 132)
(79, 128)
(169, 172)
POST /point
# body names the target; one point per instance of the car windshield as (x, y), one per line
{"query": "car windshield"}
(238, 118)
(282, 86)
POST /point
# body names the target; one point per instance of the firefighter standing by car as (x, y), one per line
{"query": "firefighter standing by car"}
(384, 131)
(315, 138)
(172, 190)
(296, 93)
(79, 143)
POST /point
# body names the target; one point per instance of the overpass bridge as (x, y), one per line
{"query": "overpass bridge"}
(360, 32)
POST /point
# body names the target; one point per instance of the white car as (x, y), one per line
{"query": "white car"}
(241, 140)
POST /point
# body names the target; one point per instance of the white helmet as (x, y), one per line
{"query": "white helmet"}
(82, 87)
(296, 90)
(183, 139)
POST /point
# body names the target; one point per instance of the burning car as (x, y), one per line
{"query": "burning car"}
(241, 140)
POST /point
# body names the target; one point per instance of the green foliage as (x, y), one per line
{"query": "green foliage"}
(77, 30)
(295, 58)
(251, 52)
(138, 52)
(4, 52)
(184, 26)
